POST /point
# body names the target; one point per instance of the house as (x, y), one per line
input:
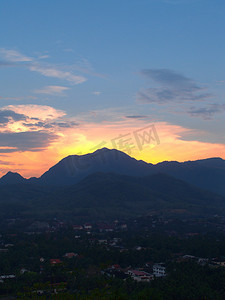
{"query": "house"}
(203, 261)
(116, 267)
(105, 227)
(159, 270)
(23, 270)
(87, 226)
(219, 263)
(189, 257)
(70, 255)
(140, 275)
(123, 226)
(138, 248)
(3, 277)
(102, 241)
(77, 227)
(55, 261)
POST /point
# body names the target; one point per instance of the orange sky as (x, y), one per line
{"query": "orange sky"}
(89, 136)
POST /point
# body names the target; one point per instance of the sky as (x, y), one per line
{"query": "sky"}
(146, 77)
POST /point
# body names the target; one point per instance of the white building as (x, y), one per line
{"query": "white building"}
(159, 270)
(140, 275)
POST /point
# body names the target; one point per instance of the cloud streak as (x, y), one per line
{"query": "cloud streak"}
(173, 87)
(15, 58)
(52, 71)
(52, 90)
(208, 112)
(136, 117)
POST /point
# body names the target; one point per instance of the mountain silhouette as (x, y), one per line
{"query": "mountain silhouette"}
(12, 178)
(208, 174)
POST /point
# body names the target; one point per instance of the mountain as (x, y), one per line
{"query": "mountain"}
(109, 196)
(110, 193)
(12, 178)
(208, 174)
(74, 167)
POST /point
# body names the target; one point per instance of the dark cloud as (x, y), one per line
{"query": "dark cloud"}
(6, 163)
(165, 95)
(207, 112)
(170, 78)
(26, 141)
(66, 124)
(7, 115)
(38, 125)
(51, 125)
(172, 87)
(136, 117)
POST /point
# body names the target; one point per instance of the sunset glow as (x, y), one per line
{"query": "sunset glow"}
(69, 87)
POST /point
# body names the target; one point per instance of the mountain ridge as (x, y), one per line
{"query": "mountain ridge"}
(207, 173)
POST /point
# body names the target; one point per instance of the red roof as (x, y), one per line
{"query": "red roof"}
(55, 261)
(139, 273)
(116, 267)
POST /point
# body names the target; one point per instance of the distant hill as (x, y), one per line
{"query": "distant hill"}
(118, 194)
(110, 196)
(207, 173)
(12, 178)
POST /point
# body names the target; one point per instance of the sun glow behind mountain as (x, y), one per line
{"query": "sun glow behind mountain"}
(88, 137)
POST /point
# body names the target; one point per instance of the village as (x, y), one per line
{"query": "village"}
(57, 257)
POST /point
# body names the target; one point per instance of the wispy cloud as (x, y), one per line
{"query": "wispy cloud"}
(6, 163)
(207, 112)
(221, 82)
(52, 90)
(14, 56)
(53, 71)
(172, 87)
(10, 98)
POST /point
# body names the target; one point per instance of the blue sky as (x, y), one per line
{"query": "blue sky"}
(95, 63)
